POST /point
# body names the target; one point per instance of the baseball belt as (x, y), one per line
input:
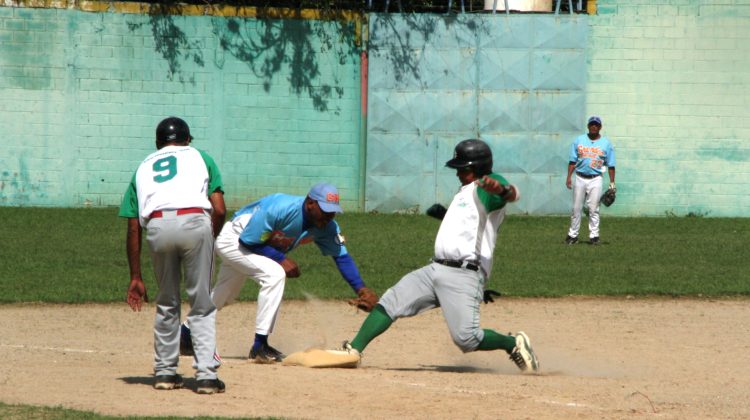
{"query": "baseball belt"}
(469, 265)
(180, 212)
(586, 176)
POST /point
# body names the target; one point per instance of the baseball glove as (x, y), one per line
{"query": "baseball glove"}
(366, 299)
(437, 211)
(608, 198)
(487, 297)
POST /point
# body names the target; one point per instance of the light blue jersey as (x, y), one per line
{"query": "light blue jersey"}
(278, 221)
(590, 157)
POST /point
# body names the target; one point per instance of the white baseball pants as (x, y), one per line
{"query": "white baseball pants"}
(589, 190)
(237, 265)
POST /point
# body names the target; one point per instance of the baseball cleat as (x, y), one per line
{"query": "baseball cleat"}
(167, 382)
(186, 341)
(569, 240)
(347, 348)
(595, 240)
(523, 355)
(266, 354)
(210, 386)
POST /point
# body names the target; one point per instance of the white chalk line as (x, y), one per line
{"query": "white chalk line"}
(72, 350)
(447, 389)
(57, 349)
(458, 390)
(568, 404)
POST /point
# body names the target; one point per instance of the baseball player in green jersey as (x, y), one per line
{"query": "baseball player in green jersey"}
(176, 195)
(462, 262)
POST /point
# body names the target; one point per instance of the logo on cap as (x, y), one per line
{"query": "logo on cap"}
(327, 197)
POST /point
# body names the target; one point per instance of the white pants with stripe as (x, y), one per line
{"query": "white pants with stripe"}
(588, 190)
(237, 264)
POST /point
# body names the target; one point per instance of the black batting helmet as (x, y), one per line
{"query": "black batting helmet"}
(472, 153)
(173, 129)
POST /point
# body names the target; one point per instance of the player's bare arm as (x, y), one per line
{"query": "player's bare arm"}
(493, 186)
(290, 268)
(219, 213)
(490, 185)
(510, 193)
(569, 180)
(137, 289)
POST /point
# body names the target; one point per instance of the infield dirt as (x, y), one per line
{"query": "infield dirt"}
(600, 358)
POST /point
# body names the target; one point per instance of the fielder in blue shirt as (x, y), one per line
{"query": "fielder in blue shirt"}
(256, 243)
(590, 154)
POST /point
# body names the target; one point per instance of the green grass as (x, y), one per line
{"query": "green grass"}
(639, 256)
(26, 412)
(78, 255)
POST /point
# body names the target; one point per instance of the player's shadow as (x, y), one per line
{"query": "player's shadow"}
(189, 383)
(470, 369)
(138, 380)
(449, 369)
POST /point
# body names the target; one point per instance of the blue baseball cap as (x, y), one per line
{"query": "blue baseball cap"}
(595, 120)
(327, 197)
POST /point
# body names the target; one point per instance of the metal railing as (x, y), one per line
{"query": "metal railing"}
(579, 4)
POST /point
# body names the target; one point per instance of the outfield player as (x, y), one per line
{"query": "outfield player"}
(176, 195)
(589, 154)
(255, 244)
(456, 278)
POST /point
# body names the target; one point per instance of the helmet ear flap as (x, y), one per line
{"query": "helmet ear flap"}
(483, 169)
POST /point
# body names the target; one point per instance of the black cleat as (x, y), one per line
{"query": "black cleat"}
(168, 382)
(210, 386)
(266, 354)
(595, 240)
(569, 240)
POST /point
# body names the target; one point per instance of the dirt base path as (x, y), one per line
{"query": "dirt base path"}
(600, 358)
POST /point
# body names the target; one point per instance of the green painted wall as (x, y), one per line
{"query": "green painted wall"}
(671, 81)
(276, 102)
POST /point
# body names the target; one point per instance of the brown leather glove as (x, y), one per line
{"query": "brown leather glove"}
(366, 299)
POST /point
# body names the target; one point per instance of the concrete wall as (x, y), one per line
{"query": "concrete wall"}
(670, 79)
(275, 101)
(517, 82)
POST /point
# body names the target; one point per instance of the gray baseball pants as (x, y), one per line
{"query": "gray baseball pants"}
(177, 243)
(457, 291)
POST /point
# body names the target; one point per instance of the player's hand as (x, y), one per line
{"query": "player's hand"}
(612, 186)
(137, 294)
(490, 185)
(290, 268)
(569, 183)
